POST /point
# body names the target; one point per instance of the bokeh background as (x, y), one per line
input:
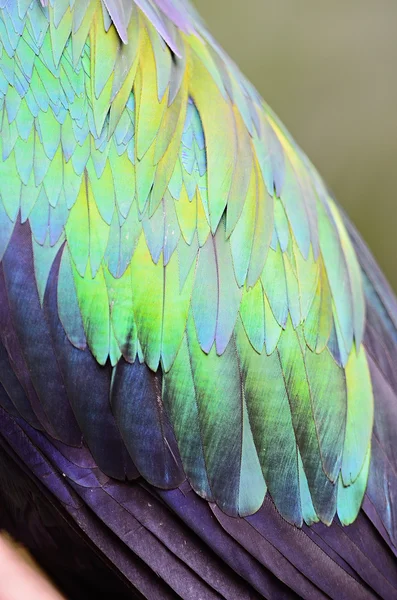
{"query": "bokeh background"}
(329, 70)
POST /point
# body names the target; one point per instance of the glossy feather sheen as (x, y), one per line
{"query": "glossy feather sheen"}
(189, 233)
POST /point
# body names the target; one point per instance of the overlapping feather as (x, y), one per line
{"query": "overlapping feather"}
(193, 236)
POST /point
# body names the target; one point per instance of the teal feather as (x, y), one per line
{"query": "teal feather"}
(205, 295)
(229, 293)
(216, 378)
(327, 379)
(270, 419)
(274, 284)
(68, 309)
(309, 514)
(252, 312)
(39, 217)
(44, 256)
(180, 400)
(6, 229)
(322, 491)
(58, 219)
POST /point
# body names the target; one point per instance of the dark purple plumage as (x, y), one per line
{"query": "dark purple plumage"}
(34, 338)
(173, 544)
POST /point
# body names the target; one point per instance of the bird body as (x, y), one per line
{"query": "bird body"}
(196, 348)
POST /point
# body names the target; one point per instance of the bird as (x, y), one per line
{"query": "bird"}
(197, 349)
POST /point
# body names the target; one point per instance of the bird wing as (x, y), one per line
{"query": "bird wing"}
(173, 544)
(180, 297)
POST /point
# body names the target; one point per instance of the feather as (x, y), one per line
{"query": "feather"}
(242, 237)
(147, 301)
(180, 401)
(336, 268)
(270, 419)
(149, 113)
(6, 229)
(177, 300)
(274, 285)
(350, 498)
(220, 142)
(360, 410)
(120, 291)
(272, 328)
(186, 211)
(319, 319)
(68, 309)
(264, 224)
(34, 336)
(242, 175)
(229, 294)
(327, 379)
(205, 295)
(94, 308)
(136, 403)
(141, 186)
(252, 312)
(220, 423)
(291, 358)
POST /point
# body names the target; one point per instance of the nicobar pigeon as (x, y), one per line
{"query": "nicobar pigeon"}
(198, 380)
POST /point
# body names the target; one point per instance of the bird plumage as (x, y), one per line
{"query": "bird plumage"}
(184, 307)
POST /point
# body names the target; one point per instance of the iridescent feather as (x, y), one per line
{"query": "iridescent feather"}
(192, 235)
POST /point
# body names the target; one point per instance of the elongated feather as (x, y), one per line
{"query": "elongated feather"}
(136, 404)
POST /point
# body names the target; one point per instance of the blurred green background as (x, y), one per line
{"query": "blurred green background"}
(329, 70)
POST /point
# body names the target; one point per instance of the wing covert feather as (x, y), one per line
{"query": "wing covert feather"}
(197, 253)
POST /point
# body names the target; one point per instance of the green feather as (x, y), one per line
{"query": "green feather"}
(274, 284)
(123, 179)
(242, 237)
(350, 498)
(272, 328)
(205, 295)
(102, 191)
(229, 293)
(318, 323)
(194, 235)
(180, 400)
(149, 109)
(338, 276)
(360, 414)
(78, 231)
(122, 313)
(94, 307)
(215, 378)
(241, 177)
(264, 224)
(308, 513)
(252, 312)
(24, 153)
(52, 181)
(10, 186)
(6, 229)
(299, 395)
(270, 421)
(147, 301)
(220, 140)
(176, 310)
(186, 211)
(327, 380)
